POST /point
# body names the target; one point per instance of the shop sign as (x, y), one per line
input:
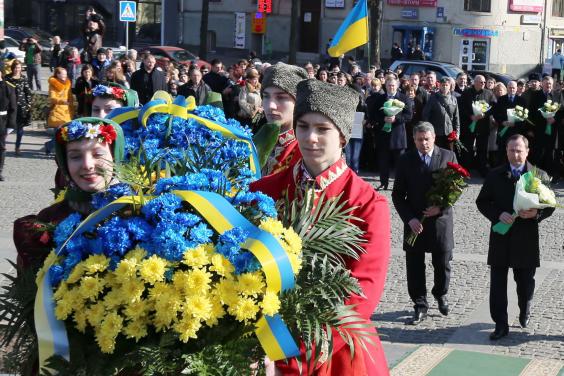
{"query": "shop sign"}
(557, 32)
(475, 33)
(413, 3)
(440, 12)
(530, 19)
(531, 6)
(240, 19)
(410, 13)
(264, 6)
(258, 23)
(334, 3)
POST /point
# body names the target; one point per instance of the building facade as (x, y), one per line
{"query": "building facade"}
(512, 36)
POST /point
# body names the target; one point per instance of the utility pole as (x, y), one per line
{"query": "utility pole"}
(204, 29)
(375, 7)
(293, 31)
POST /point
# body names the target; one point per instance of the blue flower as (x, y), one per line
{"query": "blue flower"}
(115, 236)
(139, 229)
(76, 130)
(55, 274)
(163, 206)
(200, 233)
(66, 227)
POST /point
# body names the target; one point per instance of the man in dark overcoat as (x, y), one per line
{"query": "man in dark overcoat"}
(482, 131)
(519, 247)
(391, 144)
(413, 181)
(148, 79)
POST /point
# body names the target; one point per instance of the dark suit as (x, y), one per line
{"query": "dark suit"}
(413, 181)
(146, 84)
(390, 144)
(499, 113)
(543, 146)
(442, 112)
(480, 136)
(518, 249)
(8, 107)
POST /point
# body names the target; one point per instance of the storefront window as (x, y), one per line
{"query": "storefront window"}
(558, 8)
(148, 25)
(478, 5)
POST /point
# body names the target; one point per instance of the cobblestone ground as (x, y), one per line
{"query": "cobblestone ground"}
(30, 177)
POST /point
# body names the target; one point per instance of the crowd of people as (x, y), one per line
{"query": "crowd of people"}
(315, 106)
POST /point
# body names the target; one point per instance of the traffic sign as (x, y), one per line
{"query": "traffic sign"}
(127, 11)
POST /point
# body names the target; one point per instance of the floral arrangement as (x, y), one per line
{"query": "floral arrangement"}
(515, 115)
(154, 283)
(109, 91)
(391, 107)
(530, 193)
(76, 130)
(458, 145)
(448, 185)
(548, 111)
(478, 108)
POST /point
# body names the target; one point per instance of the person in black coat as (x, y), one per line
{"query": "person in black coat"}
(8, 111)
(518, 248)
(397, 53)
(413, 181)
(544, 145)
(499, 113)
(482, 131)
(390, 145)
(147, 80)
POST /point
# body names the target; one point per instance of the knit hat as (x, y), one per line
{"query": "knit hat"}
(338, 103)
(283, 76)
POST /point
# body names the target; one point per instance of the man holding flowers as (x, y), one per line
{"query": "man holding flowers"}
(519, 247)
(414, 179)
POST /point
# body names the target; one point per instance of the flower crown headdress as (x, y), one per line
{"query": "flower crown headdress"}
(110, 92)
(91, 128)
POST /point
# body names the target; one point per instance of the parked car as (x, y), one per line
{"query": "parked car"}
(19, 33)
(177, 55)
(499, 77)
(14, 47)
(416, 66)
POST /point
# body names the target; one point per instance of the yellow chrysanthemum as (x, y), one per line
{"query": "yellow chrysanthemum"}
(152, 269)
(80, 320)
(270, 303)
(95, 314)
(90, 287)
(132, 290)
(217, 312)
(63, 308)
(126, 269)
(221, 265)
(136, 329)
(272, 226)
(136, 254)
(136, 310)
(226, 291)
(187, 328)
(294, 241)
(95, 264)
(76, 274)
(113, 299)
(180, 281)
(106, 343)
(112, 324)
(198, 281)
(166, 310)
(61, 291)
(250, 284)
(159, 289)
(200, 307)
(196, 257)
(295, 262)
(245, 309)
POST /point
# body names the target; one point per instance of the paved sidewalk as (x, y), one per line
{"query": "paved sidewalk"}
(26, 191)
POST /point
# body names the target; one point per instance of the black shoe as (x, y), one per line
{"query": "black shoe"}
(525, 316)
(382, 187)
(443, 305)
(499, 333)
(1, 177)
(419, 315)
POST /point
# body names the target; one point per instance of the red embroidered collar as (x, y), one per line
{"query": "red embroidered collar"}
(303, 178)
(286, 137)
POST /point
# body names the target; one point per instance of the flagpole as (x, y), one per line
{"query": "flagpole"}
(368, 33)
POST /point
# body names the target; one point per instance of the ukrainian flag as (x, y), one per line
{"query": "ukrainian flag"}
(353, 32)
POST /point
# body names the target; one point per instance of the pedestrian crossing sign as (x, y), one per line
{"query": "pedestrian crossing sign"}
(127, 11)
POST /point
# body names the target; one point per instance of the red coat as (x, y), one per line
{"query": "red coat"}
(286, 153)
(370, 270)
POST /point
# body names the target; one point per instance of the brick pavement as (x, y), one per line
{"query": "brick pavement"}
(30, 177)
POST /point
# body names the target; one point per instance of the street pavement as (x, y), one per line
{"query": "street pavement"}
(27, 190)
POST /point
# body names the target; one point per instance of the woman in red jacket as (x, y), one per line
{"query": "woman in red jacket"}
(323, 121)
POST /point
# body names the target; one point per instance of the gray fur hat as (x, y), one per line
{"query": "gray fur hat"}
(338, 103)
(283, 76)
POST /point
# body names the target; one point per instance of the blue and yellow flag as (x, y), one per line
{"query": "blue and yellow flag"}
(353, 31)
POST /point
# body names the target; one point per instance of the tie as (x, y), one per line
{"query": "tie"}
(516, 173)
(511, 98)
(424, 158)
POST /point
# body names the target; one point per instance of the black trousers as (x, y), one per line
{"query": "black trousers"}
(416, 282)
(385, 157)
(3, 135)
(525, 280)
(478, 160)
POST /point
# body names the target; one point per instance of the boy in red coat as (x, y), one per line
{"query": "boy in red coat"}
(323, 122)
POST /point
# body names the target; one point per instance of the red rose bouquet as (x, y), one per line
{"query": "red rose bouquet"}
(448, 185)
(459, 146)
